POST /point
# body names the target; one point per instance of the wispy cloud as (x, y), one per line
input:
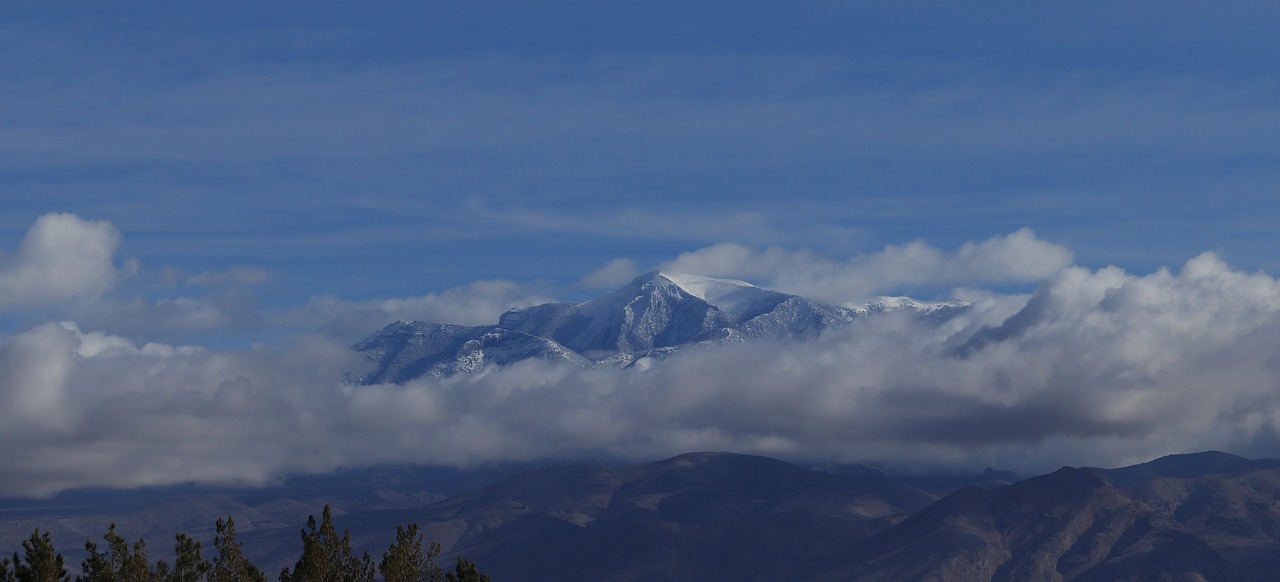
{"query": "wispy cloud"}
(747, 226)
(615, 273)
(222, 311)
(478, 303)
(866, 138)
(239, 274)
(1019, 257)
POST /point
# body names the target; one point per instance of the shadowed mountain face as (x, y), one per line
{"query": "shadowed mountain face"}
(720, 516)
(1203, 516)
(1185, 467)
(712, 516)
(1236, 514)
(709, 516)
(1068, 525)
(653, 316)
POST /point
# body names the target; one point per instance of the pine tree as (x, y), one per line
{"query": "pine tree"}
(405, 561)
(119, 563)
(136, 566)
(326, 557)
(189, 565)
(465, 571)
(231, 565)
(40, 562)
(161, 573)
(99, 566)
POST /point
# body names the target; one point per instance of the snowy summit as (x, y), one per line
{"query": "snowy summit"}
(654, 315)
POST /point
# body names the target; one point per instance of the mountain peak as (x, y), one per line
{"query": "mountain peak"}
(705, 288)
(1182, 466)
(722, 293)
(653, 316)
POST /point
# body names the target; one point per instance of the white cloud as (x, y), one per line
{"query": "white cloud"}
(238, 275)
(1017, 257)
(1094, 367)
(77, 414)
(97, 343)
(615, 273)
(61, 258)
(477, 303)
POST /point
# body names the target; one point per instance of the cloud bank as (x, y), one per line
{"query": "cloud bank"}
(1099, 367)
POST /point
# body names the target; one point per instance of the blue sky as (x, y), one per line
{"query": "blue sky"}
(416, 147)
(208, 203)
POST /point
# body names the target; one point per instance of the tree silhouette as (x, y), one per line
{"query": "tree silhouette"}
(40, 563)
(188, 565)
(326, 557)
(405, 561)
(231, 565)
(119, 563)
(466, 571)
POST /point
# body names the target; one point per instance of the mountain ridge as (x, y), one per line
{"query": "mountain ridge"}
(712, 515)
(653, 316)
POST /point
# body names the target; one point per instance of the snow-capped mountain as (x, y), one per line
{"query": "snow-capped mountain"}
(653, 316)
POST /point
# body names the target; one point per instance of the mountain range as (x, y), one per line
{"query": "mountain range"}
(721, 516)
(652, 317)
(1206, 516)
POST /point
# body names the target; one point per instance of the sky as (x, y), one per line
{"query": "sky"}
(204, 205)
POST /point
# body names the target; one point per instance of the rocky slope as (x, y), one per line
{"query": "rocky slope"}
(1068, 525)
(1198, 517)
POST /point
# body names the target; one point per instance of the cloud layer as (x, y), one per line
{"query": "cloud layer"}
(1100, 367)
